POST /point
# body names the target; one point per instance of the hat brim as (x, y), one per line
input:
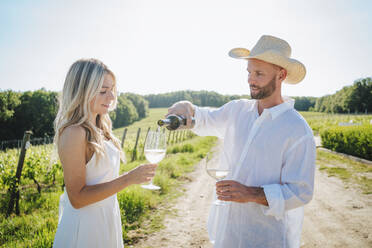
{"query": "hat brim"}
(296, 71)
(239, 53)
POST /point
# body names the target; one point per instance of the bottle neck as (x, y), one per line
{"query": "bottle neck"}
(166, 121)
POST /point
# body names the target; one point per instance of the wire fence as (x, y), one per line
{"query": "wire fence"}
(17, 143)
(35, 168)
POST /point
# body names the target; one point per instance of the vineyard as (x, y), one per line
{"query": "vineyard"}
(321, 121)
(35, 220)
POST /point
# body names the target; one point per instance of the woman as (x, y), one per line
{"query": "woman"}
(89, 214)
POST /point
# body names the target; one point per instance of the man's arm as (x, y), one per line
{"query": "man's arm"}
(208, 121)
(295, 189)
(297, 179)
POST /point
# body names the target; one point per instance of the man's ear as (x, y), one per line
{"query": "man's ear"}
(282, 74)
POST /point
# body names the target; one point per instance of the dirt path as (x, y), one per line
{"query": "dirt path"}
(336, 217)
(187, 225)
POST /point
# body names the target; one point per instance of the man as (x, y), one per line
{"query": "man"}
(269, 149)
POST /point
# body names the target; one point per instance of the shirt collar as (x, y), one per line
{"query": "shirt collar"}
(253, 106)
(281, 108)
(278, 109)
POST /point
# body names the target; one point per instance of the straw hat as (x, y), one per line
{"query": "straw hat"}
(275, 51)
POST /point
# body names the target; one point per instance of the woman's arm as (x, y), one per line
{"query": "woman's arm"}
(72, 147)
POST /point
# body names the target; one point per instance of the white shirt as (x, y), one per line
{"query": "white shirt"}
(275, 151)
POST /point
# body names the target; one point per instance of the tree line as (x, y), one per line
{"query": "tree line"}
(213, 99)
(36, 111)
(199, 98)
(356, 98)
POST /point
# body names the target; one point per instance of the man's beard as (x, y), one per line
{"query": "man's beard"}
(265, 91)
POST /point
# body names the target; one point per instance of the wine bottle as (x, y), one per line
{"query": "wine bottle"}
(173, 122)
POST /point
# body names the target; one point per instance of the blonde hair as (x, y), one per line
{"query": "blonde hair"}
(83, 82)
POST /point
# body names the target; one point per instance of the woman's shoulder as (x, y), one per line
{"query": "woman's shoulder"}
(73, 136)
(77, 132)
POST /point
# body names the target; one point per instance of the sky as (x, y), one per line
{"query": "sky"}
(168, 45)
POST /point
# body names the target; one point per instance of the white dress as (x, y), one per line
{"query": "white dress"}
(98, 224)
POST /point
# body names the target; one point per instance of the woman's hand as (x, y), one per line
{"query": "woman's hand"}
(141, 174)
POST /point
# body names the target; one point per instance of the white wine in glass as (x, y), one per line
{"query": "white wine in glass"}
(217, 174)
(155, 149)
(213, 170)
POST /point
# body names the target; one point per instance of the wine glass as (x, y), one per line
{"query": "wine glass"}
(155, 149)
(215, 171)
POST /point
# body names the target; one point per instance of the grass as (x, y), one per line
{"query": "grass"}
(350, 171)
(142, 211)
(34, 229)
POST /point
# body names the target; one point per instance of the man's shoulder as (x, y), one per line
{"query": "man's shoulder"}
(239, 103)
(243, 101)
(239, 106)
(297, 122)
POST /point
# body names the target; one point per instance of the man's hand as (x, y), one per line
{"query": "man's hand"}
(185, 109)
(229, 190)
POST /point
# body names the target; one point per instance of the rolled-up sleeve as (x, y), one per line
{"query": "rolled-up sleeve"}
(297, 179)
(212, 121)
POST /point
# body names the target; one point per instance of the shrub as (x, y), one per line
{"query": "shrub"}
(170, 169)
(133, 204)
(187, 148)
(353, 140)
(174, 150)
(181, 148)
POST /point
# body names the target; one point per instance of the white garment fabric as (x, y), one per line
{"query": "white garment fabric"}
(275, 151)
(98, 224)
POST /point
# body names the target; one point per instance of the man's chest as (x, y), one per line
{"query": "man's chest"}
(257, 142)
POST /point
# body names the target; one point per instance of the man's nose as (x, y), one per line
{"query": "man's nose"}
(251, 80)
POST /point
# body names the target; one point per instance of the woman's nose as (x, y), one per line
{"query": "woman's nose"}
(111, 95)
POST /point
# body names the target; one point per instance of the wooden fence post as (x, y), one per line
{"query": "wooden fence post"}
(143, 151)
(169, 134)
(148, 130)
(123, 139)
(14, 188)
(172, 132)
(135, 146)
